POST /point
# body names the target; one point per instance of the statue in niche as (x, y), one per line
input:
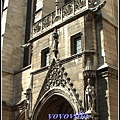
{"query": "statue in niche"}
(56, 42)
(90, 96)
(27, 104)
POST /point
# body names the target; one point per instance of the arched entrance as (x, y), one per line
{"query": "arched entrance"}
(55, 105)
(57, 96)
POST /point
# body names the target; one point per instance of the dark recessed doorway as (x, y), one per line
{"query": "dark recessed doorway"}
(55, 105)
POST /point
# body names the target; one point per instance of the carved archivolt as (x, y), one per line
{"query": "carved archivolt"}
(58, 78)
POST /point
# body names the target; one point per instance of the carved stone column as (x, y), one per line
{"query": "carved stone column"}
(90, 60)
(57, 5)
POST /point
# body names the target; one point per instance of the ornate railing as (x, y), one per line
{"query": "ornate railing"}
(62, 14)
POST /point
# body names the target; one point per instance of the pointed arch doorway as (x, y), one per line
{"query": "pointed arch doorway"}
(55, 105)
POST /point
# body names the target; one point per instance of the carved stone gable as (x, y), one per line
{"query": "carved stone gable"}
(57, 76)
(57, 79)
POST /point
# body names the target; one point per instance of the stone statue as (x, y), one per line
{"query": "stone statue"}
(27, 105)
(56, 42)
(90, 96)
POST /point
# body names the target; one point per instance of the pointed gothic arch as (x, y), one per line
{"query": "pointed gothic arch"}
(54, 105)
(54, 102)
(57, 87)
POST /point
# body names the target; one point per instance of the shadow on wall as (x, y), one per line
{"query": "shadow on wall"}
(102, 85)
(17, 94)
(102, 99)
(99, 34)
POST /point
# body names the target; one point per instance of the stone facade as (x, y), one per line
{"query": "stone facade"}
(106, 87)
(23, 89)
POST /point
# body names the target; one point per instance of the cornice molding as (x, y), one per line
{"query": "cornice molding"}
(107, 72)
(89, 73)
(13, 72)
(63, 61)
(66, 21)
(23, 69)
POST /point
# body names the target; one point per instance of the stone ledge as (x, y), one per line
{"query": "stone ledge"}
(23, 69)
(107, 71)
(7, 70)
(63, 61)
(13, 72)
(105, 65)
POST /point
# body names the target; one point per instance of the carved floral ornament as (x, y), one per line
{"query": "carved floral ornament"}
(57, 79)
(59, 14)
(62, 13)
(57, 82)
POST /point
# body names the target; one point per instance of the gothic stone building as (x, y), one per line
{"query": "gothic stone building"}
(59, 57)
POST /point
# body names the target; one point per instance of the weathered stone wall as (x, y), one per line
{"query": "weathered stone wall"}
(38, 80)
(65, 33)
(38, 46)
(109, 50)
(12, 54)
(110, 43)
(12, 57)
(7, 87)
(110, 11)
(107, 94)
(13, 31)
(7, 115)
(48, 7)
(21, 83)
(113, 94)
(75, 64)
(74, 70)
(107, 32)
(102, 93)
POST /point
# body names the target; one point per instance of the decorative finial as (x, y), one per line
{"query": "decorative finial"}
(56, 7)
